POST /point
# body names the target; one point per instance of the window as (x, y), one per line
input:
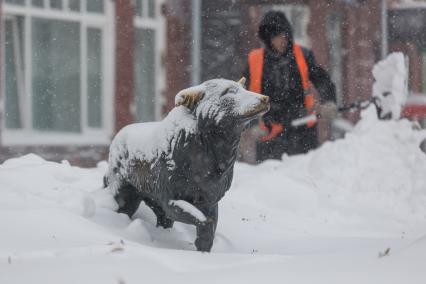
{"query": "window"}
(16, 2)
(55, 75)
(146, 9)
(148, 46)
(57, 71)
(145, 74)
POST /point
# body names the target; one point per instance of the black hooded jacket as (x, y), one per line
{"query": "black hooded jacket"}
(281, 80)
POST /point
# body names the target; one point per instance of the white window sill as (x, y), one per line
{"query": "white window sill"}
(35, 138)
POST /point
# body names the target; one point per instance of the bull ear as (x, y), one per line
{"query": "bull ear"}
(189, 97)
(242, 82)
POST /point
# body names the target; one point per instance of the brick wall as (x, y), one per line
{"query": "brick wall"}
(124, 63)
(361, 44)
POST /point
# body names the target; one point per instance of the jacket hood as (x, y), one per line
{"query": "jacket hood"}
(272, 24)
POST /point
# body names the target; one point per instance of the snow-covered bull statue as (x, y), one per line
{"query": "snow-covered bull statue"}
(183, 165)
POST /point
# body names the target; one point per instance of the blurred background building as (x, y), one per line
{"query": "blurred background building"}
(75, 71)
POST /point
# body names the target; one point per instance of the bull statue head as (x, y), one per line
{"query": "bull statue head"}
(221, 102)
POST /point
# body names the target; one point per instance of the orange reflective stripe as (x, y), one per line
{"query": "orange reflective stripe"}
(302, 65)
(276, 129)
(309, 101)
(255, 60)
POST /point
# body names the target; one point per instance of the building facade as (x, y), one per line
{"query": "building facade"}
(75, 71)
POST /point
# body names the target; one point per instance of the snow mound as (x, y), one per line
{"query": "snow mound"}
(371, 182)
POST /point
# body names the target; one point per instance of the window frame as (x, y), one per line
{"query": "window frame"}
(158, 25)
(18, 67)
(27, 135)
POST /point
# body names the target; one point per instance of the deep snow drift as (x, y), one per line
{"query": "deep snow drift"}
(352, 211)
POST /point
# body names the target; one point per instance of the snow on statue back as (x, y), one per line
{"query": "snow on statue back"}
(182, 166)
(390, 87)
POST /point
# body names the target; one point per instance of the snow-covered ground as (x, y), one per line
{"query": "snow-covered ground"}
(354, 211)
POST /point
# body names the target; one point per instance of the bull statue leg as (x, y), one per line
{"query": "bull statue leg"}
(206, 231)
(204, 219)
(162, 219)
(127, 199)
(128, 203)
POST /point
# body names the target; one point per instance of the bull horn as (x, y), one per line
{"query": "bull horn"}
(188, 97)
(242, 81)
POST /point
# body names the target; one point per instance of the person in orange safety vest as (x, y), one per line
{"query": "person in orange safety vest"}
(285, 71)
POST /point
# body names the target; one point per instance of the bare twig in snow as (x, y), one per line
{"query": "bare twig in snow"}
(385, 253)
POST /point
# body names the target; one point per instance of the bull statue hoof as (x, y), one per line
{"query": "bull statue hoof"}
(205, 235)
(183, 165)
(204, 245)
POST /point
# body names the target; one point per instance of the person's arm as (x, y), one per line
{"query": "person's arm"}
(320, 79)
(326, 108)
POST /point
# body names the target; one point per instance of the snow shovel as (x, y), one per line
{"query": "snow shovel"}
(390, 91)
